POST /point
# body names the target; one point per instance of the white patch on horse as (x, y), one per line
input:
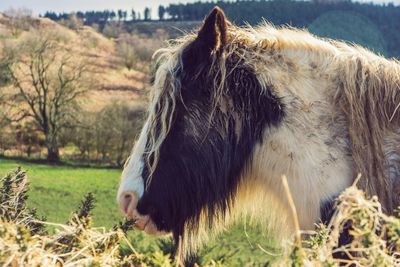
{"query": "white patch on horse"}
(306, 147)
(131, 179)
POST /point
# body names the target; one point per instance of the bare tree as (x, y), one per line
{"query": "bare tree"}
(136, 50)
(48, 79)
(20, 20)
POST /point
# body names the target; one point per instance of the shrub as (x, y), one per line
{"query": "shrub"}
(20, 20)
(375, 235)
(72, 22)
(135, 49)
(112, 29)
(106, 136)
(13, 196)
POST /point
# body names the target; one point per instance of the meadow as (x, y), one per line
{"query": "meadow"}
(56, 191)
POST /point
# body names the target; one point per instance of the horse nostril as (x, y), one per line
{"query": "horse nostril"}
(128, 202)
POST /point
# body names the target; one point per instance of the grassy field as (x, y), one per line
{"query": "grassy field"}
(55, 191)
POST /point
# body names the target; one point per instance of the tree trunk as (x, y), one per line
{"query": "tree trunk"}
(52, 154)
(29, 151)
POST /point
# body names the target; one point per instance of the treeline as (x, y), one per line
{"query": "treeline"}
(101, 17)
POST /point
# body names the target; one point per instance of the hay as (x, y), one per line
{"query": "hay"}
(376, 236)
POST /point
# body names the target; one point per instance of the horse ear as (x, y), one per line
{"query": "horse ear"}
(211, 39)
(213, 34)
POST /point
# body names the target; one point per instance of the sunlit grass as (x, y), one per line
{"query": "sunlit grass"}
(56, 191)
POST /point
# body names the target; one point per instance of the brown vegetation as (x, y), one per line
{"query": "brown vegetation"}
(46, 82)
(376, 236)
(43, 58)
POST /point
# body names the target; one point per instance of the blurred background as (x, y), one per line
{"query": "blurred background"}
(74, 81)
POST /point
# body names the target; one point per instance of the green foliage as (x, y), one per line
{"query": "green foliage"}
(105, 136)
(242, 245)
(83, 213)
(13, 197)
(5, 75)
(349, 26)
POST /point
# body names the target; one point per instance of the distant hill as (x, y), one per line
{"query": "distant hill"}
(301, 14)
(349, 26)
(111, 80)
(174, 29)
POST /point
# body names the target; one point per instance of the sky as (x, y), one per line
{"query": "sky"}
(41, 6)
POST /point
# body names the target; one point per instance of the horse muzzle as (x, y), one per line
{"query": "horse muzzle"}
(128, 202)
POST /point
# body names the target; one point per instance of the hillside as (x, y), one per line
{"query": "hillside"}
(336, 25)
(111, 81)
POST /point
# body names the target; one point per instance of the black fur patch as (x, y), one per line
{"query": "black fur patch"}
(327, 210)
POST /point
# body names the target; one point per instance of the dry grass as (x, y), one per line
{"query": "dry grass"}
(25, 242)
(375, 236)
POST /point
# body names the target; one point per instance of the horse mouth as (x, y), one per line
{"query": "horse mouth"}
(128, 205)
(146, 224)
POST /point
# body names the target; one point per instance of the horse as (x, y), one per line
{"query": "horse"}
(234, 108)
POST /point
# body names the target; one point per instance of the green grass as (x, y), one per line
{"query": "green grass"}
(56, 191)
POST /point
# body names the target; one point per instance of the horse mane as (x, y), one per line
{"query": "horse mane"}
(369, 96)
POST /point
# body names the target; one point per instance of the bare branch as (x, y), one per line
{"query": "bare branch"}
(48, 80)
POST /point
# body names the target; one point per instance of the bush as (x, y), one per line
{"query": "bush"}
(73, 22)
(20, 20)
(375, 235)
(112, 29)
(135, 49)
(106, 136)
